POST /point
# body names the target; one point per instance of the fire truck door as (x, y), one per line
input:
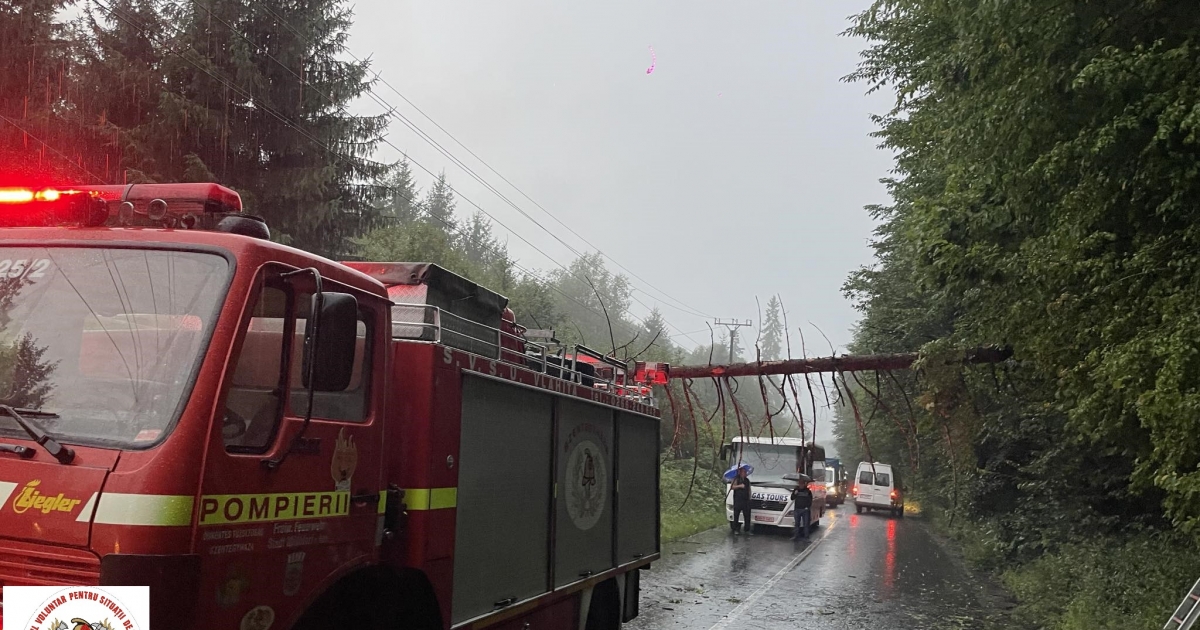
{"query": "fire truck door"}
(272, 537)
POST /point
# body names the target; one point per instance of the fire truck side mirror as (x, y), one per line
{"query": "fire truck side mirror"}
(329, 346)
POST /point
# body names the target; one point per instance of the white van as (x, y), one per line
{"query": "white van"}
(876, 486)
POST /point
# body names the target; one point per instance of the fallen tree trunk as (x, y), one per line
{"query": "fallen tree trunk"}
(844, 363)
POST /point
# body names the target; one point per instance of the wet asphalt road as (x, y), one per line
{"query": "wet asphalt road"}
(855, 571)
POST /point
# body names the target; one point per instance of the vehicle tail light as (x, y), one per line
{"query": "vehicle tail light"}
(651, 372)
(854, 490)
(894, 494)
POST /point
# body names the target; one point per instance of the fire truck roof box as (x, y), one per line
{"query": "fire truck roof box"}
(427, 283)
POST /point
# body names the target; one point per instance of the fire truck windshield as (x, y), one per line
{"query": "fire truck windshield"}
(109, 339)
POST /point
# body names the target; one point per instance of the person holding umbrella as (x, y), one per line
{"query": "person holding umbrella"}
(740, 486)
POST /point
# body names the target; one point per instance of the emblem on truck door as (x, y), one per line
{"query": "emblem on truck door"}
(345, 460)
(236, 584)
(587, 484)
(293, 573)
(259, 618)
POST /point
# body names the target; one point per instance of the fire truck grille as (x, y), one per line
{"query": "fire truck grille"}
(29, 566)
(772, 506)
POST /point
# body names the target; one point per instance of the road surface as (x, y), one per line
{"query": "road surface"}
(856, 571)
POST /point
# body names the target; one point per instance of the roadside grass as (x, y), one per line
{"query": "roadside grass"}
(705, 508)
(1106, 584)
(1129, 582)
(676, 525)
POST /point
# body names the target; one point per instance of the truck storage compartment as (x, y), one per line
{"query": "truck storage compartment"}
(504, 494)
(584, 521)
(470, 315)
(637, 487)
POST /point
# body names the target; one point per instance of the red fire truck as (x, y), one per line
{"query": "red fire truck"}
(269, 439)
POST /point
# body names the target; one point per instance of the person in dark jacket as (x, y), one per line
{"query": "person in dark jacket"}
(802, 499)
(741, 500)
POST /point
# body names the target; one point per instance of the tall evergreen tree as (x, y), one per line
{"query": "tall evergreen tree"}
(121, 72)
(439, 203)
(772, 331)
(256, 98)
(654, 342)
(37, 52)
(397, 199)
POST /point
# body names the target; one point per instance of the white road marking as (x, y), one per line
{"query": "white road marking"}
(733, 615)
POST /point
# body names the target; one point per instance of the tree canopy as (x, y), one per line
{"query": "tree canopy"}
(1044, 196)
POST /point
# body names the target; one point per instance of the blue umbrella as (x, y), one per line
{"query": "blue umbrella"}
(732, 472)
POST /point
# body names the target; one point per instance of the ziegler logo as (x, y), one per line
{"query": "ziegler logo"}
(30, 497)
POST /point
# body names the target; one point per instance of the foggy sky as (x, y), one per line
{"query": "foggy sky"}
(738, 168)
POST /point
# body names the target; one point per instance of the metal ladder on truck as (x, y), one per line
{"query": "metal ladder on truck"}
(1188, 611)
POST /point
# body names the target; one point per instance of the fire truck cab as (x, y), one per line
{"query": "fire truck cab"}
(269, 439)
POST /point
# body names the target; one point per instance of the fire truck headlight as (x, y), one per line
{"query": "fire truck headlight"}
(157, 210)
(125, 212)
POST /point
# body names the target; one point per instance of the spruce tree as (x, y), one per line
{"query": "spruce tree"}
(439, 204)
(654, 338)
(397, 198)
(771, 343)
(256, 98)
(119, 83)
(35, 86)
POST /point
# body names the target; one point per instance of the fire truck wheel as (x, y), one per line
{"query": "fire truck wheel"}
(604, 613)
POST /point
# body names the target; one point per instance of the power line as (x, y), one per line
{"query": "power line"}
(391, 111)
(64, 156)
(292, 125)
(683, 305)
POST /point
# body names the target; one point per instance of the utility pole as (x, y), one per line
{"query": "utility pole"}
(839, 364)
(732, 325)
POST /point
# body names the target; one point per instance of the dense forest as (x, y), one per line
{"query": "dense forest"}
(1045, 197)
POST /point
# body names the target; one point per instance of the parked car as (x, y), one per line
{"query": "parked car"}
(877, 486)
